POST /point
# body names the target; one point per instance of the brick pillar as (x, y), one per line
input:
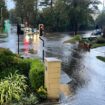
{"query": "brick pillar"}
(52, 77)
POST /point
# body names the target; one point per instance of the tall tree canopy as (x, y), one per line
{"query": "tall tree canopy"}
(100, 21)
(3, 11)
(26, 10)
(58, 15)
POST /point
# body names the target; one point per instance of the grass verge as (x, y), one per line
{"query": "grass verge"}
(98, 45)
(73, 39)
(101, 58)
(2, 34)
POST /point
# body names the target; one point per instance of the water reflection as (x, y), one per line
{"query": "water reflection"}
(26, 45)
(36, 42)
(29, 45)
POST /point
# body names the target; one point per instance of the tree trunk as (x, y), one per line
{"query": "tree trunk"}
(75, 28)
(51, 3)
(104, 32)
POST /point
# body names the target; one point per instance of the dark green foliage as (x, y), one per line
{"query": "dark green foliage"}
(98, 42)
(101, 19)
(33, 69)
(23, 66)
(10, 62)
(42, 93)
(57, 15)
(36, 74)
(69, 15)
(101, 58)
(101, 40)
(6, 52)
(26, 9)
(3, 12)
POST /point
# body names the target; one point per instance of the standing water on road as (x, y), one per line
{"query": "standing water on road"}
(88, 73)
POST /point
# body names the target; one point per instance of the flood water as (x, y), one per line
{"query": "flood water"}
(87, 72)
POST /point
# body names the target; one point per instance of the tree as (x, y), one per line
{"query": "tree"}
(26, 9)
(79, 12)
(48, 3)
(100, 21)
(12, 16)
(3, 12)
(58, 15)
(69, 14)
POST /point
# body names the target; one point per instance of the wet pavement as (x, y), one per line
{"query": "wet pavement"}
(87, 72)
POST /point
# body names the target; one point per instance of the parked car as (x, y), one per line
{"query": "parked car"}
(28, 30)
(97, 32)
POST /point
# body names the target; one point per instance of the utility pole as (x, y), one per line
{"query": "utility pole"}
(43, 54)
(41, 33)
(18, 33)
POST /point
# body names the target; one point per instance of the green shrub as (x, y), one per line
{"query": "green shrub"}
(23, 65)
(100, 40)
(36, 74)
(12, 88)
(30, 100)
(10, 62)
(26, 100)
(6, 72)
(6, 52)
(42, 93)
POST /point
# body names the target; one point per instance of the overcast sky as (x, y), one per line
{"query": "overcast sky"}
(11, 5)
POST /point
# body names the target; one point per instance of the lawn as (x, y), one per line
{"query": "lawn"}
(2, 34)
(98, 45)
(74, 39)
(101, 58)
(99, 42)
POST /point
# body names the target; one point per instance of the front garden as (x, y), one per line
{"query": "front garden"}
(21, 80)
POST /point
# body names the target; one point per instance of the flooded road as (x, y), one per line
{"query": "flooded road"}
(87, 72)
